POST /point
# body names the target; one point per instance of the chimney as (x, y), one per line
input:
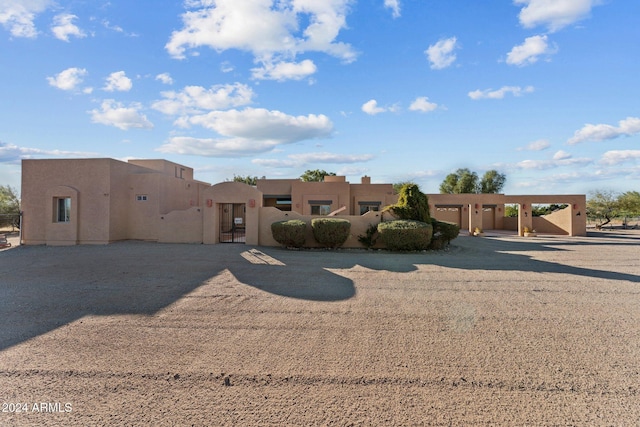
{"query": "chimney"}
(366, 180)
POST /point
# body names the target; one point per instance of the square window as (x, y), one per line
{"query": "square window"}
(141, 197)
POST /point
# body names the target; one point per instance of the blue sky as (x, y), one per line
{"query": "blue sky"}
(544, 91)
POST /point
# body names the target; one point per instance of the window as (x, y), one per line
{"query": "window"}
(320, 207)
(63, 209)
(141, 197)
(369, 206)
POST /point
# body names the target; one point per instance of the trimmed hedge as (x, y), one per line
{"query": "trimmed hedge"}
(289, 233)
(443, 233)
(330, 232)
(405, 235)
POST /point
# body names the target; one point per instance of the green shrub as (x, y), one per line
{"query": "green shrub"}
(443, 233)
(412, 204)
(289, 233)
(330, 232)
(370, 237)
(405, 235)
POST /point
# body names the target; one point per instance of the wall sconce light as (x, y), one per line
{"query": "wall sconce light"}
(524, 206)
(526, 214)
(578, 214)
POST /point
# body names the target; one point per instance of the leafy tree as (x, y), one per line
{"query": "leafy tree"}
(464, 181)
(492, 182)
(602, 206)
(9, 207)
(459, 182)
(629, 204)
(412, 204)
(315, 175)
(250, 180)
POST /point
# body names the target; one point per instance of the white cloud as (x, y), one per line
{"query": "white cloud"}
(13, 154)
(68, 79)
(539, 145)
(561, 155)
(371, 107)
(112, 113)
(17, 16)
(559, 159)
(118, 81)
(500, 93)
(63, 27)
(248, 131)
(165, 78)
(601, 132)
(196, 99)
(284, 70)
(394, 5)
(300, 160)
(267, 28)
(422, 104)
(441, 54)
(554, 14)
(616, 157)
(530, 51)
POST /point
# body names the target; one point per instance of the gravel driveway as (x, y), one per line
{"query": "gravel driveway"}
(498, 330)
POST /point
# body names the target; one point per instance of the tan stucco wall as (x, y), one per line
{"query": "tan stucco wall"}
(177, 208)
(181, 226)
(43, 180)
(572, 222)
(230, 192)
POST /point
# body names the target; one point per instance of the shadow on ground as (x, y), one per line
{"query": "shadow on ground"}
(43, 288)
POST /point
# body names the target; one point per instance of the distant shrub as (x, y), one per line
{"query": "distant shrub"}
(289, 233)
(370, 237)
(443, 233)
(405, 235)
(330, 232)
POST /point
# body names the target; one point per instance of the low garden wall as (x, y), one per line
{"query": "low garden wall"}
(359, 225)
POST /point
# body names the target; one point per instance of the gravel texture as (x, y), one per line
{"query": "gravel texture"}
(497, 330)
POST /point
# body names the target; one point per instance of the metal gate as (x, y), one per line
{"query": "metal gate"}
(232, 223)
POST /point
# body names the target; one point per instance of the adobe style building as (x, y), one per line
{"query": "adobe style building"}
(98, 201)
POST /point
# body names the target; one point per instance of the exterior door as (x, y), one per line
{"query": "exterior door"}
(232, 222)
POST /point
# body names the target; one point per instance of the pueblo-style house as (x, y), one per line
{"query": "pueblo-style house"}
(98, 201)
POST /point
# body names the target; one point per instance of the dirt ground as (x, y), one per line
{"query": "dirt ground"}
(498, 330)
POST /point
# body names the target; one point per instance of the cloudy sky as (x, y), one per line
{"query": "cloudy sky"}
(545, 91)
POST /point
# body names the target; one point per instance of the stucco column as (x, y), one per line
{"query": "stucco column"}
(475, 216)
(525, 219)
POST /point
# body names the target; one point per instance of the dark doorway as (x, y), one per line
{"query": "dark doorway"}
(232, 223)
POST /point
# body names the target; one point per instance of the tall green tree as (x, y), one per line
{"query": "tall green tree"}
(9, 206)
(459, 182)
(602, 206)
(315, 175)
(629, 204)
(465, 181)
(492, 182)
